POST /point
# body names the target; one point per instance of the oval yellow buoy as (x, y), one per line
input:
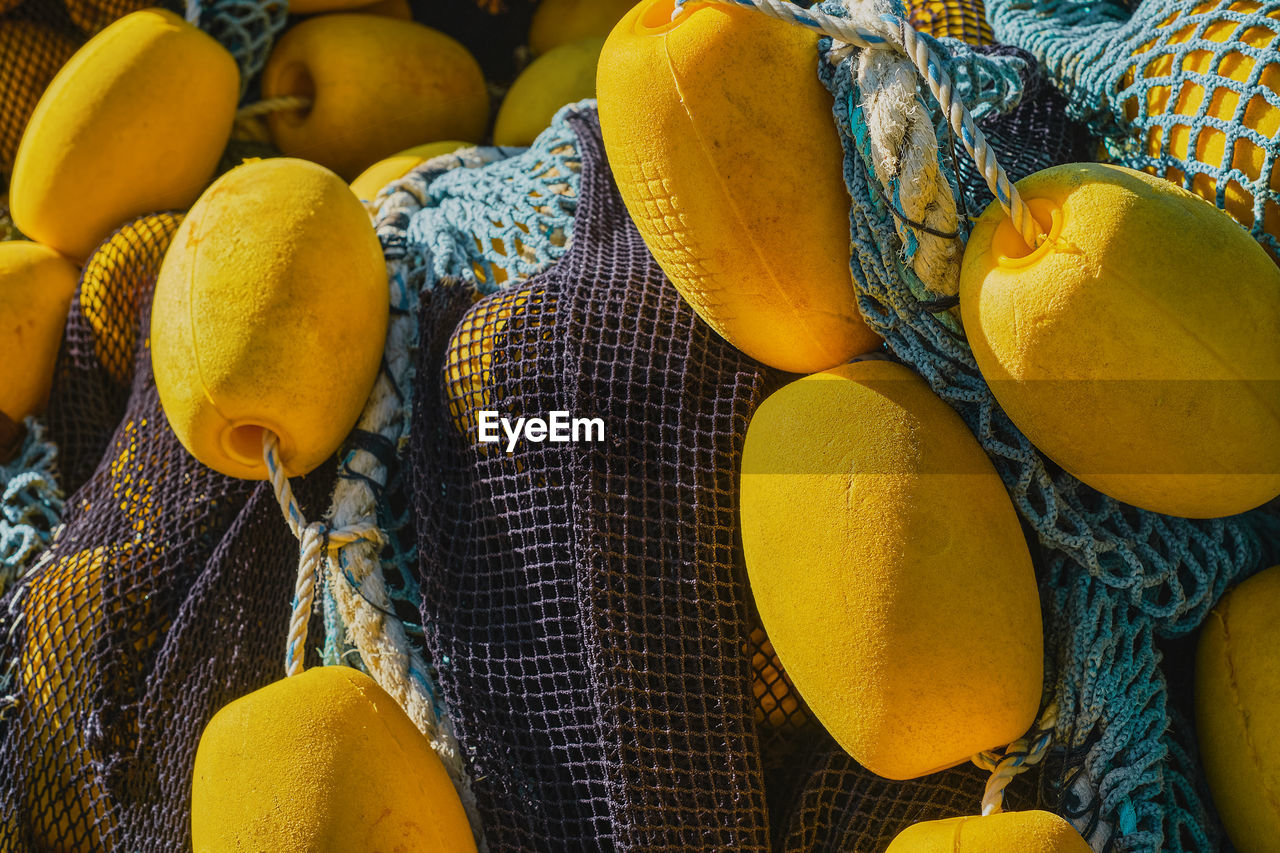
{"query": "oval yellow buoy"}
(563, 75)
(117, 281)
(1238, 710)
(66, 608)
(876, 535)
(721, 141)
(322, 762)
(270, 313)
(1139, 346)
(1024, 832)
(557, 22)
(134, 123)
(377, 86)
(36, 285)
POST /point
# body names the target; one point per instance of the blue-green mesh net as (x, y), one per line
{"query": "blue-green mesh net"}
(1118, 578)
(246, 28)
(30, 504)
(1160, 85)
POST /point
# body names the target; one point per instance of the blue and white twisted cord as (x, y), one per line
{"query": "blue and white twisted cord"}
(1020, 755)
(892, 32)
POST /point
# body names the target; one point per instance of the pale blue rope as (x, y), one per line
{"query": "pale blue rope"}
(30, 504)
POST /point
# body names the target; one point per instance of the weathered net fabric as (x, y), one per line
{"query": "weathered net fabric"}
(1183, 89)
(246, 28)
(30, 500)
(165, 596)
(1118, 578)
(1031, 136)
(586, 605)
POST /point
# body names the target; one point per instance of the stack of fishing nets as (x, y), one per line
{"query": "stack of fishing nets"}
(570, 623)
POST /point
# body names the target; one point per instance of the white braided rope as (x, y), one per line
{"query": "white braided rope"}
(350, 553)
(316, 541)
(904, 148)
(1023, 754)
(894, 33)
(356, 580)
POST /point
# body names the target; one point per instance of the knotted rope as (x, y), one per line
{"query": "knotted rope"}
(317, 542)
(874, 30)
(351, 550)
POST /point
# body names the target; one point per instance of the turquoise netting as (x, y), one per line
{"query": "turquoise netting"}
(1118, 578)
(30, 504)
(246, 28)
(1157, 83)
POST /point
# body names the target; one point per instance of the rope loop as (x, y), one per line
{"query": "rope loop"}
(317, 543)
(1024, 753)
(249, 125)
(889, 32)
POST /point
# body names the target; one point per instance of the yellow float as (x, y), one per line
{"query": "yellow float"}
(377, 176)
(270, 313)
(1139, 346)
(721, 141)
(563, 75)
(1024, 832)
(557, 22)
(36, 286)
(376, 86)
(876, 535)
(134, 123)
(322, 762)
(1237, 699)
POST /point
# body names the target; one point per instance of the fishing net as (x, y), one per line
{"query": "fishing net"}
(31, 52)
(246, 28)
(576, 614)
(164, 596)
(1183, 89)
(965, 20)
(585, 604)
(1115, 579)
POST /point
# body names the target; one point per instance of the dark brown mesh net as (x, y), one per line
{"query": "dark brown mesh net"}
(165, 596)
(587, 605)
(31, 52)
(92, 15)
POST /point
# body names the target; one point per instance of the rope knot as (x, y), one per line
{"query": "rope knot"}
(317, 542)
